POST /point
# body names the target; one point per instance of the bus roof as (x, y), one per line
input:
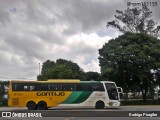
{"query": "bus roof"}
(58, 81)
(64, 80)
(48, 81)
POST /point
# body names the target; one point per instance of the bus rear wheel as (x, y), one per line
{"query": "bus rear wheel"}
(42, 105)
(31, 105)
(99, 105)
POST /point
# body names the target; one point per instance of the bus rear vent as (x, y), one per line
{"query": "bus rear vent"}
(15, 101)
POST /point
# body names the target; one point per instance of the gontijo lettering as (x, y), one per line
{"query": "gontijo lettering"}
(50, 93)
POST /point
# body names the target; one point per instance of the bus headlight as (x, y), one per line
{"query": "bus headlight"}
(110, 103)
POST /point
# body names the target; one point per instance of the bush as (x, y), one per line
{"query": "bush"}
(3, 102)
(140, 102)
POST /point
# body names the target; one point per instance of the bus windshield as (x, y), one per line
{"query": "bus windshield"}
(112, 91)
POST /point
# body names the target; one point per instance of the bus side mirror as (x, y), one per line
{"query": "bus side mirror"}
(120, 90)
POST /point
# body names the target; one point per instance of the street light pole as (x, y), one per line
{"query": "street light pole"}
(39, 68)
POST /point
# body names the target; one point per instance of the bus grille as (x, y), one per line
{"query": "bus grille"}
(15, 101)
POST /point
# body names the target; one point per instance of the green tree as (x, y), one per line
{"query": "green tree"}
(61, 69)
(46, 70)
(2, 87)
(135, 20)
(1, 90)
(95, 76)
(128, 60)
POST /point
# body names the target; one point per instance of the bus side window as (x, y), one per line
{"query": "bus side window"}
(17, 87)
(97, 87)
(83, 87)
(42, 87)
(32, 88)
(13, 87)
(26, 88)
(55, 87)
(69, 87)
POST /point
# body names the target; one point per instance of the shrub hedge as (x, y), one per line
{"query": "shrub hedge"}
(3, 103)
(140, 102)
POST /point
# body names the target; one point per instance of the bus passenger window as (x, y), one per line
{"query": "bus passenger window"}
(32, 88)
(97, 87)
(55, 87)
(69, 87)
(83, 87)
(26, 88)
(17, 87)
(14, 87)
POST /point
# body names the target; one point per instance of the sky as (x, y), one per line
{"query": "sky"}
(33, 31)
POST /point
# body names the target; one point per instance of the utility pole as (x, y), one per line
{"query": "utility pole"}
(39, 68)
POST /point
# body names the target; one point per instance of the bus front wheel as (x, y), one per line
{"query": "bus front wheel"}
(42, 105)
(99, 105)
(31, 105)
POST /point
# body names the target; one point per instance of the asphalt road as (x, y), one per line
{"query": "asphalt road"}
(111, 113)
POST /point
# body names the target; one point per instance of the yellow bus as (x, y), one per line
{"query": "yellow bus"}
(44, 94)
